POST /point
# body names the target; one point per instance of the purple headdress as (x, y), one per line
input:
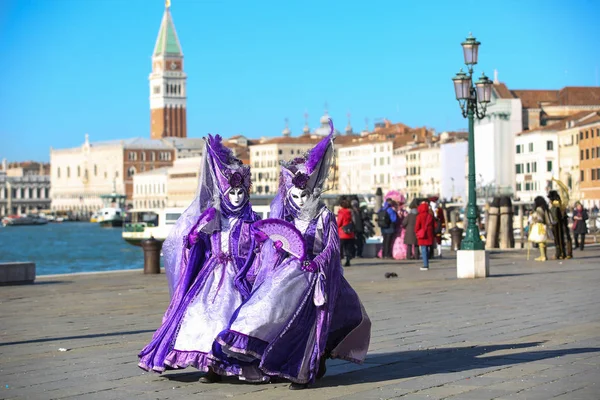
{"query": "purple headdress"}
(227, 172)
(306, 173)
(220, 172)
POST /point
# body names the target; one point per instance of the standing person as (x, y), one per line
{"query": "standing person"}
(580, 216)
(346, 228)
(298, 312)
(386, 218)
(557, 225)
(410, 238)
(203, 253)
(539, 226)
(359, 227)
(424, 232)
(440, 228)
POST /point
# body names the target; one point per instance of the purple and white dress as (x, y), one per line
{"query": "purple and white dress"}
(205, 251)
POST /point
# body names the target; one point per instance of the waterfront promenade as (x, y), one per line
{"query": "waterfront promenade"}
(531, 331)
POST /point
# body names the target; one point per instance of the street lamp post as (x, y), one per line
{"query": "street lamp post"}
(473, 100)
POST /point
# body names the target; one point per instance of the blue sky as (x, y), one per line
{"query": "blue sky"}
(72, 67)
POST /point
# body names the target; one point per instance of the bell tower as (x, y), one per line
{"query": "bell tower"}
(167, 83)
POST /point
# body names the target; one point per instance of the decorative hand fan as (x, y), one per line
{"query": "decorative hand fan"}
(284, 232)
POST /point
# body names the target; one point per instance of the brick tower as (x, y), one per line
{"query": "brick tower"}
(167, 83)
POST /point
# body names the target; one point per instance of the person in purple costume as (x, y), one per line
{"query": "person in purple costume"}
(297, 313)
(203, 253)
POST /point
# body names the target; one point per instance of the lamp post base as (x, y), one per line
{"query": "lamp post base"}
(472, 264)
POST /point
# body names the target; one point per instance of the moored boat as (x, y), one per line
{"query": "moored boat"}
(20, 220)
(110, 217)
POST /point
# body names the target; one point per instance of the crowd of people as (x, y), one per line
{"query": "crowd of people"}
(550, 221)
(410, 231)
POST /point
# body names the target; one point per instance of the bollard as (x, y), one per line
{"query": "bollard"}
(506, 233)
(456, 234)
(151, 249)
(492, 224)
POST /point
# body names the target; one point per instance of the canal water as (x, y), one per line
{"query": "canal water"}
(69, 247)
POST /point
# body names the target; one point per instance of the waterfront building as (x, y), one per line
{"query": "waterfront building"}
(589, 160)
(513, 111)
(24, 188)
(168, 94)
(150, 189)
(431, 170)
(536, 161)
(454, 149)
(80, 175)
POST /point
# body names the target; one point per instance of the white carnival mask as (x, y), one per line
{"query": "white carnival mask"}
(299, 196)
(236, 196)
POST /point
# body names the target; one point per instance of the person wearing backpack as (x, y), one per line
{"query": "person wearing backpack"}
(424, 232)
(346, 231)
(386, 219)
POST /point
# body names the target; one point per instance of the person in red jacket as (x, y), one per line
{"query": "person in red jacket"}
(424, 232)
(346, 231)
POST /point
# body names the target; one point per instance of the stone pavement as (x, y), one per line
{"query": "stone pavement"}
(531, 331)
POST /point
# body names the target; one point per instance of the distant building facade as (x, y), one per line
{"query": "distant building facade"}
(24, 188)
(80, 175)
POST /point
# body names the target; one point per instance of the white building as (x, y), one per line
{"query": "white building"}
(150, 189)
(495, 140)
(23, 190)
(182, 181)
(536, 162)
(364, 167)
(453, 154)
(431, 169)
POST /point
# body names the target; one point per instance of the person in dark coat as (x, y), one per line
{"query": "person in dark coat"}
(346, 231)
(557, 225)
(388, 231)
(580, 216)
(424, 232)
(359, 227)
(410, 238)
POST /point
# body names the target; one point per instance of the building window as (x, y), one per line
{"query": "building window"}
(68, 172)
(156, 89)
(105, 174)
(593, 152)
(586, 134)
(587, 154)
(531, 147)
(549, 145)
(58, 172)
(549, 166)
(582, 175)
(518, 149)
(78, 171)
(518, 168)
(534, 167)
(581, 135)
(528, 168)
(593, 174)
(95, 170)
(143, 156)
(132, 156)
(153, 156)
(581, 155)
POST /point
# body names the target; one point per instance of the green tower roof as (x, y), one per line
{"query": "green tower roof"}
(167, 42)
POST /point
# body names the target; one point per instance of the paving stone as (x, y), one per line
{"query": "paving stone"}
(531, 331)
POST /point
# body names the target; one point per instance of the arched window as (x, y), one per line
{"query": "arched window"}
(131, 172)
(143, 156)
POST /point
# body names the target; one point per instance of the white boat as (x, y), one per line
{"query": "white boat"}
(141, 224)
(110, 217)
(21, 220)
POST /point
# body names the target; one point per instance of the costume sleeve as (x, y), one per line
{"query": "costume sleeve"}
(393, 215)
